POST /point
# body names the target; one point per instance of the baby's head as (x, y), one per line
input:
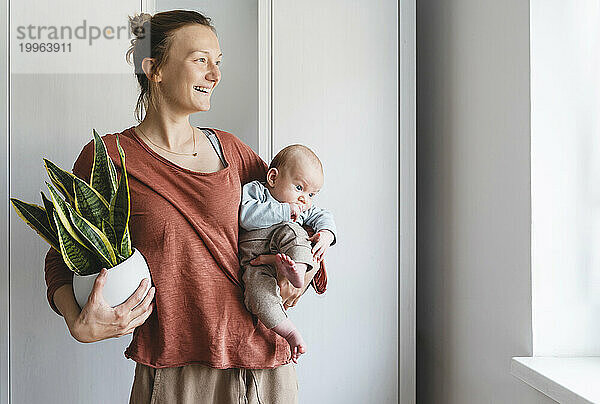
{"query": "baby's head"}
(295, 176)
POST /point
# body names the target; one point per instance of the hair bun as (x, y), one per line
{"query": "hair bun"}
(137, 23)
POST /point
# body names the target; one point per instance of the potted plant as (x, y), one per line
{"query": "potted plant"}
(89, 226)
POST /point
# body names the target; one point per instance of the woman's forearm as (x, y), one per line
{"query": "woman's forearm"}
(64, 299)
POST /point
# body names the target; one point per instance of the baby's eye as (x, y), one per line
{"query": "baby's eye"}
(311, 195)
(299, 187)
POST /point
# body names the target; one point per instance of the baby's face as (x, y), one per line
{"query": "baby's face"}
(297, 183)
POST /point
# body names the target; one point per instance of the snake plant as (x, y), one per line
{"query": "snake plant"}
(87, 223)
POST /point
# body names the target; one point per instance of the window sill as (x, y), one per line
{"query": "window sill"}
(564, 379)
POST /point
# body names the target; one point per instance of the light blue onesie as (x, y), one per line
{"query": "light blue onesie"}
(260, 210)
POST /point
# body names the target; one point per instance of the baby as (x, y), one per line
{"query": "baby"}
(271, 218)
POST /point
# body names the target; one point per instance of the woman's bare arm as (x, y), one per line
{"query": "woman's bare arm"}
(64, 299)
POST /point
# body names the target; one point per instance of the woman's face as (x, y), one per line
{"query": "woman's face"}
(191, 71)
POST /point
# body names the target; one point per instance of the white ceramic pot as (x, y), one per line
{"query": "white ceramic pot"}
(121, 281)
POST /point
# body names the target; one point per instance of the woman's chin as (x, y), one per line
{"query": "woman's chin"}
(202, 108)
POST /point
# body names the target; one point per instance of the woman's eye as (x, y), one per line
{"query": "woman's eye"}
(200, 59)
(299, 187)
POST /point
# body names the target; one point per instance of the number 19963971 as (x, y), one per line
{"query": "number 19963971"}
(44, 47)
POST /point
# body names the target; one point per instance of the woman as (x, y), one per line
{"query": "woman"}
(195, 342)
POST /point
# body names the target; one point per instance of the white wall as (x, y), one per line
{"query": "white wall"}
(565, 176)
(473, 203)
(335, 81)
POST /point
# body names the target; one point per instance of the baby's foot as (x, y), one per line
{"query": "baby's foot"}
(288, 330)
(290, 270)
(297, 344)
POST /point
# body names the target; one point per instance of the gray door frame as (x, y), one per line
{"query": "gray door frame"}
(408, 286)
(4, 206)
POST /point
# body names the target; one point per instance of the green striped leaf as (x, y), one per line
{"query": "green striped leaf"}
(49, 212)
(120, 208)
(126, 244)
(63, 180)
(108, 230)
(35, 216)
(93, 237)
(61, 209)
(104, 175)
(89, 203)
(78, 259)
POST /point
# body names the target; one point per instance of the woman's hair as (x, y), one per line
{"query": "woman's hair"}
(153, 38)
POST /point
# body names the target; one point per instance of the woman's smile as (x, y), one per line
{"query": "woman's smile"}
(203, 90)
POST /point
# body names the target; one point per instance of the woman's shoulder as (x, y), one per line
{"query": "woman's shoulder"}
(232, 142)
(125, 136)
(249, 163)
(230, 138)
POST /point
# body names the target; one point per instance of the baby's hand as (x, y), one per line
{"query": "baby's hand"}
(295, 211)
(321, 242)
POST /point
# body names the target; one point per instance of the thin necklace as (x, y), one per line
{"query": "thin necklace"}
(169, 151)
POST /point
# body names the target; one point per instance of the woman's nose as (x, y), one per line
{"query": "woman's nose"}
(214, 74)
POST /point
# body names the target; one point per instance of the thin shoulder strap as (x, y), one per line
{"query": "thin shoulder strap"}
(214, 140)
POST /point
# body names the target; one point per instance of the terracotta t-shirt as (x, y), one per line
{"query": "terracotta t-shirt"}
(185, 223)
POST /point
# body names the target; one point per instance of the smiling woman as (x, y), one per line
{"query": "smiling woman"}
(195, 342)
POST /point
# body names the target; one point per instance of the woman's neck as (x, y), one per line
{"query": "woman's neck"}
(173, 132)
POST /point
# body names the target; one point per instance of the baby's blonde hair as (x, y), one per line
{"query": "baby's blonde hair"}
(293, 154)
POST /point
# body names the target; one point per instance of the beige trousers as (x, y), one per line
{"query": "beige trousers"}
(199, 384)
(261, 292)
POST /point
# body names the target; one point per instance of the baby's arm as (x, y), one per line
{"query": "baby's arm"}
(257, 211)
(320, 219)
(322, 222)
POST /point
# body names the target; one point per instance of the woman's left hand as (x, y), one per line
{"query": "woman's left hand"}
(289, 294)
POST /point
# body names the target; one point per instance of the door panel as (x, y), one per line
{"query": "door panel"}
(335, 89)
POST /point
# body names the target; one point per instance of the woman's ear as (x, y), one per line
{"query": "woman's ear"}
(272, 176)
(148, 68)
